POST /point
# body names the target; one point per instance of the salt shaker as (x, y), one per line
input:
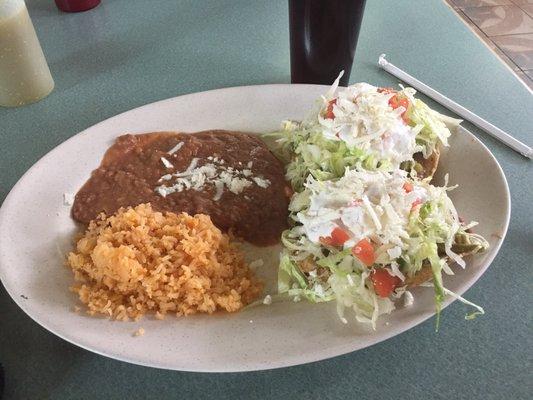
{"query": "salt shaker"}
(24, 74)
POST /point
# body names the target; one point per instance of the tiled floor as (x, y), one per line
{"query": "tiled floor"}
(506, 26)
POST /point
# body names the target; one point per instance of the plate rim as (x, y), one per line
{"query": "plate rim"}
(338, 350)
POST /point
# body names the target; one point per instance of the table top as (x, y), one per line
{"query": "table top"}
(126, 53)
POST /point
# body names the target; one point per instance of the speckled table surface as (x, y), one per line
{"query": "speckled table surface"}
(126, 53)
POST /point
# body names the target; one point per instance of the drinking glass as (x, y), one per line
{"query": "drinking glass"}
(323, 37)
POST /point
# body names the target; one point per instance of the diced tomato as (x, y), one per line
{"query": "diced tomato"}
(386, 90)
(364, 251)
(337, 238)
(384, 283)
(416, 203)
(408, 187)
(396, 101)
(329, 110)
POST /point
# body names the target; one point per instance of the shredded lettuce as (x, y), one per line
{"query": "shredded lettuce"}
(434, 128)
(288, 273)
(411, 239)
(359, 145)
(366, 133)
(472, 315)
(307, 152)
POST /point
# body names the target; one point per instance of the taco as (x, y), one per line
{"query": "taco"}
(366, 128)
(366, 238)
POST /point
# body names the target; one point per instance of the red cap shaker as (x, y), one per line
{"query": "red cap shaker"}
(76, 5)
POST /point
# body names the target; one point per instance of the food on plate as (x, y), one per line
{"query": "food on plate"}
(365, 238)
(366, 224)
(363, 226)
(230, 176)
(363, 127)
(140, 260)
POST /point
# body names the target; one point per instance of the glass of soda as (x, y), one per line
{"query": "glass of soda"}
(323, 37)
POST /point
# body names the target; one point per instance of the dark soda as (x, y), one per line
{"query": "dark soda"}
(323, 37)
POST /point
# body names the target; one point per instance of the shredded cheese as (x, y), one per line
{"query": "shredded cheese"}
(408, 299)
(213, 173)
(166, 163)
(68, 199)
(267, 300)
(175, 148)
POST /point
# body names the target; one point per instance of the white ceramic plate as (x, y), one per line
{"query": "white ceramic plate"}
(36, 231)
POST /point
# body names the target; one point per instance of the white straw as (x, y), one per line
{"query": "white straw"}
(492, 130)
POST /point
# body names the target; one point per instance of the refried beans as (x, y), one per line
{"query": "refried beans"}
(230, 176)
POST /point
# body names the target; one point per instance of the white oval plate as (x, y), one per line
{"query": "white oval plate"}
(36, 231)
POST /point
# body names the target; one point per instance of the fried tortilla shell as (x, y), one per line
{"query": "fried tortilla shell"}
(426, 167)
(463, 246)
